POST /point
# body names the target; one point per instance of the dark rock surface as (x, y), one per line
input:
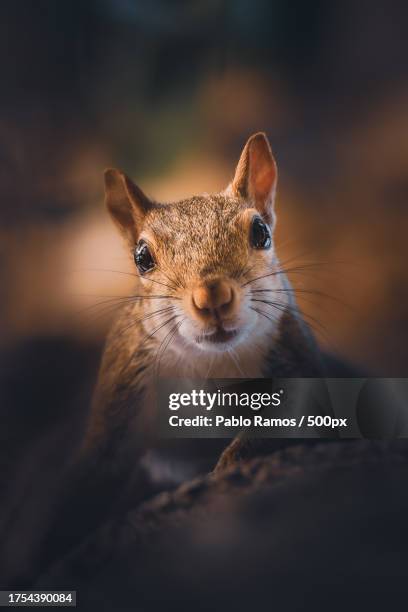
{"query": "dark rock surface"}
(303, 528)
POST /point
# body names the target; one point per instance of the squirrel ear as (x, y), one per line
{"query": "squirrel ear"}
(126, 203)
(256, 175)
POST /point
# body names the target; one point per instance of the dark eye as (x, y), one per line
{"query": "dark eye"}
(143, 258)
(260, 235)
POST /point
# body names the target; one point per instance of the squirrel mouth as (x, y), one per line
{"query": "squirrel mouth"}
(220, 336)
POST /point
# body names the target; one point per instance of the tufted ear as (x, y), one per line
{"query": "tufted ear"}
(126, 203)
(256, 175)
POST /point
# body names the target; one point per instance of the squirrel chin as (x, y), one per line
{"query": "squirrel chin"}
(221, 341)
(245, 336)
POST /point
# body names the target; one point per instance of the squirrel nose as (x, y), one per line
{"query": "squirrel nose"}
(215, 298)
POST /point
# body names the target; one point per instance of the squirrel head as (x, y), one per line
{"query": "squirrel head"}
(206, 265)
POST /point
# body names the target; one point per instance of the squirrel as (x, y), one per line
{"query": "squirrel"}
(211, 300)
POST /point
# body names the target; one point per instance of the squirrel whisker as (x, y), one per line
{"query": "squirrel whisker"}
(145, 318)
(298, 290)
(119, 300)
(149, 336)
(128, 297)
(316, 325)
(267, 316)
(129, 274)
(298, 269)
(161, 351)
(174, 281)
(235, 361)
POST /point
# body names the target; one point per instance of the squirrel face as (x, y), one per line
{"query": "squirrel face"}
(205, 263)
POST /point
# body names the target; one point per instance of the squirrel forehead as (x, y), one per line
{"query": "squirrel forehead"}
(201, 233)
(194, 217)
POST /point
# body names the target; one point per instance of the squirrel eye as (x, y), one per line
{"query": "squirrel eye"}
(143, 258)
(260, 235)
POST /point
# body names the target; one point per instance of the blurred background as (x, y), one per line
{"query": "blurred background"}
(169, 92)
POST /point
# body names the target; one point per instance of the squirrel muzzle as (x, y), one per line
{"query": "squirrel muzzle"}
(214, 301)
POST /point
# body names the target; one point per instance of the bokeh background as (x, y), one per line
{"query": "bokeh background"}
(169, 92)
